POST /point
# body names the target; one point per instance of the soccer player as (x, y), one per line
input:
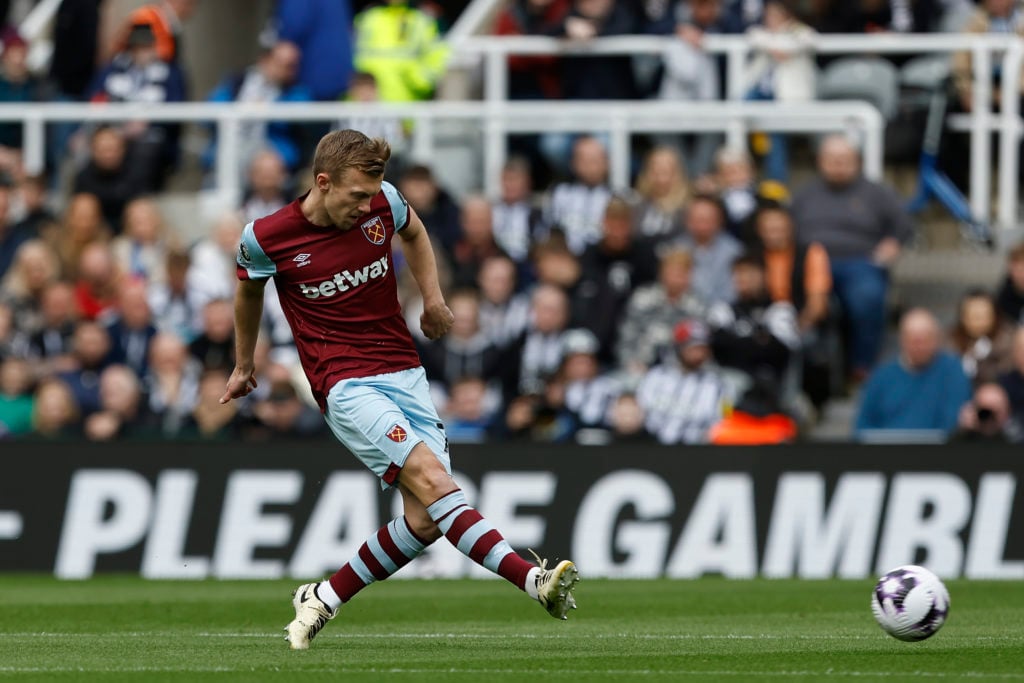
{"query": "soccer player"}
(329, 253)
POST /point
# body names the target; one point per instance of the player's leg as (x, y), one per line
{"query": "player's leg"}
(467, 530)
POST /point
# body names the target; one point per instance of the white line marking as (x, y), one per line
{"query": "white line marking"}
(816, 674)
(10, 525)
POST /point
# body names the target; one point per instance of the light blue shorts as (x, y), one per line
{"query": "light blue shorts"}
(382, 417)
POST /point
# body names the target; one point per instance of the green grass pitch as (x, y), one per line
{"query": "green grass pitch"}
(124, 629)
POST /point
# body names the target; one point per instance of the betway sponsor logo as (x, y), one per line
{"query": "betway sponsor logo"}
(346, 280)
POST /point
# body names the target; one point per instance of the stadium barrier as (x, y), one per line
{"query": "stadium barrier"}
(987, 50)
(235, 510)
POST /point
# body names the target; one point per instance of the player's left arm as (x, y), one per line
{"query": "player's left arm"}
(437, 318)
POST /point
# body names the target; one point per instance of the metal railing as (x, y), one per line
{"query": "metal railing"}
(495, 120)
(980, 123)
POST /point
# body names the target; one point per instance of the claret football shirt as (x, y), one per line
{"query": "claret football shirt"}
(337, 288)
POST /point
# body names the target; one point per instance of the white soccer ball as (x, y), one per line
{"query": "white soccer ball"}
(910, 603)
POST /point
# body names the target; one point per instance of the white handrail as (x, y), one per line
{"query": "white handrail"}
(494, 50)
(495, 119)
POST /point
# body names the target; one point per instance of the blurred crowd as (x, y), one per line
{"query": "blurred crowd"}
(713, 301)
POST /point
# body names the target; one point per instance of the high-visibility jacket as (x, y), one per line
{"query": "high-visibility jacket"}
(402, 48)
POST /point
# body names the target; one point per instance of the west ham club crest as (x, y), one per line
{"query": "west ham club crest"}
(374, 230)
(397, 434)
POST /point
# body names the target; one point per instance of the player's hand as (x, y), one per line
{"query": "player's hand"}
(436, 320)
(241, 383)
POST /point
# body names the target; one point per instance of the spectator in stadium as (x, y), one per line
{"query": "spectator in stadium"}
(268, 185)
(402, 47)
(1011, 294)
(50, 347)
(477, 243)
(281, 413)
(466, 351)
(270, 79)
(589, 393)
(17, 85)
(692, 374)
(16, 402)
(177, 307)
(132, 330)
(468, 413)
(576, 207)
(690, 20)
(626, 420)
(321, 30)
(554, 264)
(1012, 380)
(800, 275)
(55, 414)
(214, 348)
(612, 269)
(210, 419)
(98, 283)
(111, 174)
(987, 417)
(82, 226)
(540, 417)
(537, 354)
(782, 70)
(123, 413)
(141, 251)
(35, 268)
(653, 311)
(923, 389)
(76, 29)
(602, 77)
(139, 75)
(532, 77)
(755, 335)
(735, 183)
(663, 189)
(92, 352)
(433, 204)
(863, 225)
(504, 312)
(518, 221)
(363, 88)
(172, 383)
(166, 22)
(690, 74)
(12, 235)
(31, 204)
(981, 337)
(211, 265)
(797, 273)
(713, 250)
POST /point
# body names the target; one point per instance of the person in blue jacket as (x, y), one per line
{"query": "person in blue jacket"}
(923, 389)
(322, 29)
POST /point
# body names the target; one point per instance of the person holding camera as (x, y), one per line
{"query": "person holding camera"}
(986, 418)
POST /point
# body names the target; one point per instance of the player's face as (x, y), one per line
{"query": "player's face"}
(348, 198)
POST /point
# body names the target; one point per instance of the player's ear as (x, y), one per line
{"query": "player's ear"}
(323, 182)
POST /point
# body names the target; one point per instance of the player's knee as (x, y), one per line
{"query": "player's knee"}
(425, 476)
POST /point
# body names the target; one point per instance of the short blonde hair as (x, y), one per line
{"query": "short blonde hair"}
(341, 150)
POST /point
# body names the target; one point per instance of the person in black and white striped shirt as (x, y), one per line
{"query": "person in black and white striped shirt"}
(683, 400)
(577, 208)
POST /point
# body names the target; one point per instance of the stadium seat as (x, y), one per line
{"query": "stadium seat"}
(872, 79)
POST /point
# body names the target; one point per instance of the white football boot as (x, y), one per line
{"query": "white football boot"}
(311, 613)
(555, 587)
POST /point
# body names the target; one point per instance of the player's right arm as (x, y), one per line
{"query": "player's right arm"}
(254, 269)
(248, 312)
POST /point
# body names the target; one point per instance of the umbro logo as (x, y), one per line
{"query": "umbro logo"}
(302, 260)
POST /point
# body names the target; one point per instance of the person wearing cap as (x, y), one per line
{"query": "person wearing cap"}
(165, 21)
(17, 84)
(683, 398)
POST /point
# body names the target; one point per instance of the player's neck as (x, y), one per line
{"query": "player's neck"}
(314, 210)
